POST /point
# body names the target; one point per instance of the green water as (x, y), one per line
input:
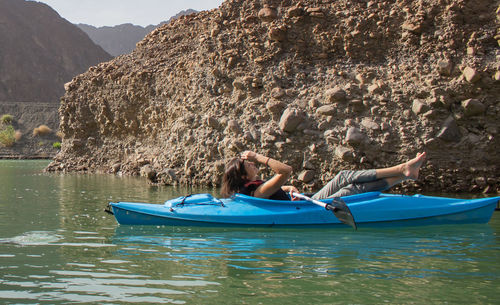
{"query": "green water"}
(58, 247)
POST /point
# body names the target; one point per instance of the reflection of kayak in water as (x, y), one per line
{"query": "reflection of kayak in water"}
(263, 247)
(369, 209)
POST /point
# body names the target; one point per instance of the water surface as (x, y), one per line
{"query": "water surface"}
(57, 246)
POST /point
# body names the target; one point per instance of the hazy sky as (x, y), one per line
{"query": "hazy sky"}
(113, 12)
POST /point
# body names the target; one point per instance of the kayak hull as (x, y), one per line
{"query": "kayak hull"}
(369, 210)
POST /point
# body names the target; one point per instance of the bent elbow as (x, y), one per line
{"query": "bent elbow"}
(287, 171)
(283, 169)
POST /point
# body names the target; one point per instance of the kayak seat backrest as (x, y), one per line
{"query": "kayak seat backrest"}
(191, 199)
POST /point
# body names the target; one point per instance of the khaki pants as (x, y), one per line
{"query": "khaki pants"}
(349, 182)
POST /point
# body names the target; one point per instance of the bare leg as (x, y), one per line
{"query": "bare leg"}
(403, 171)
(355, 182)
(392, 181)
(412, 167)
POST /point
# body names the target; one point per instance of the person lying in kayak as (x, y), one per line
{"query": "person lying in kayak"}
(241, 176)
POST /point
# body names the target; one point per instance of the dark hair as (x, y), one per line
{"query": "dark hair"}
(233, 179)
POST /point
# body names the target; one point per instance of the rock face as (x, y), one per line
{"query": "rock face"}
(258, 75)
(40, 51)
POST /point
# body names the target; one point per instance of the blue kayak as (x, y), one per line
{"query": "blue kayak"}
(372, 209)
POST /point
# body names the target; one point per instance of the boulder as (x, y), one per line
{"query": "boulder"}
(277, 34)
(306, 176)
(385, 126)
(471, 75)
(360, 78)
(290, 119)
(313, 103)
(419, 107)
(335, 95)
(354, 136)
(374, 89)
(369, 124)
(148, 172)
(473, 107)
(445, 67)
(167, 177)
(278, 93)
(327, 110)
(214, 32)
(275, 107)
(343, 153)
(357, 105)
(267, 14)
(450, 132)
(212, 122)
(295, 11)
(233, 126)
(239, 84)
(116, 168)
(316, 12)
(414, 27)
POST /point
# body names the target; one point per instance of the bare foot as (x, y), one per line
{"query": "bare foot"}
(412, 167)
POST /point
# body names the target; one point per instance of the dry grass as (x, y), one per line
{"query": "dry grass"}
(18, 135)
(41, 130)
(7, 136)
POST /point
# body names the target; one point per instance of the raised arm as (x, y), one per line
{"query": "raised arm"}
(282, 173)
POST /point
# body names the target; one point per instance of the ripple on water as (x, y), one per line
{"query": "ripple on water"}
(49, 238)
(33, 238)
(98, 287)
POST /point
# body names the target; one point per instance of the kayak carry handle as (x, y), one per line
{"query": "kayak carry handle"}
(108, 209)
(183, 199)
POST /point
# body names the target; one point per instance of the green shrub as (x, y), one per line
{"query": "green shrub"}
(6, 119)
(8, 136)
(56, 145)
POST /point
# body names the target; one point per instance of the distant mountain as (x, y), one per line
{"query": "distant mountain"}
(40, 51)
(121, 39)
(117, 40)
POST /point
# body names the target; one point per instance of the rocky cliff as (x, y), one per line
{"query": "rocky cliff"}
(121, 39)
(40, 51)
(325, 85)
